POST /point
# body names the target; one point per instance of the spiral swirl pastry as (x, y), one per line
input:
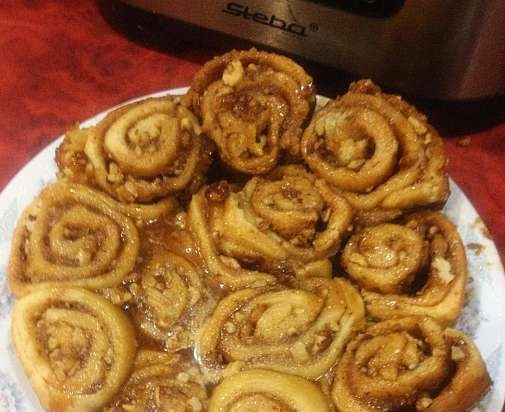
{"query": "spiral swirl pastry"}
(139, 152)
(76, 348)
(253, 105)
(71, 235)
(297, 331)
(409, 364)
(265, 390)
(378, 151)
(170, 300)
(162, 382)
(276, 224)
(418, 268)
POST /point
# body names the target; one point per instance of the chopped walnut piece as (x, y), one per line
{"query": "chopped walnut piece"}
(230, 327)
(195, 404)
(443, 269)
(423, 403)
(457, 354)
(419, 127)
(233, 73)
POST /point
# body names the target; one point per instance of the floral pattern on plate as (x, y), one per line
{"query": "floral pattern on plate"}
(11, 396)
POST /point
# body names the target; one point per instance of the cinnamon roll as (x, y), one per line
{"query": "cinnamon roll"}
(298, 331)
(162, 382)
(76, 348)
(254, 106)
(378, 151)
(265, 390)
(170, 300)
(410, 364)
(71, 235)
(280, 224)
(417, 268)
(139, 152)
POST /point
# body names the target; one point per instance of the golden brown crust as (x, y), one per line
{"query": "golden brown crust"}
(417, 268)
(378, 151)
(470, 381)
(224, 272)
(70, 157)
(278, 224)
(162, 382)
(170, 300)
(265, 390)
(253, 105)
(71, 235)
(140, 152)
(409, 364)
(297, 331)
(76, 348)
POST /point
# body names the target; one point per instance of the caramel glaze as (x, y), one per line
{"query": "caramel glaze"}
(167, 233)
(171, 233)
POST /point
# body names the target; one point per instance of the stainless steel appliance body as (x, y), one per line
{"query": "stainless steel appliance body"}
(452, 49)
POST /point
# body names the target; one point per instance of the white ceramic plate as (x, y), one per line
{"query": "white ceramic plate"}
(483, 317)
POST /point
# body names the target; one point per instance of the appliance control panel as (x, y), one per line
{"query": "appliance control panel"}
(438, 48)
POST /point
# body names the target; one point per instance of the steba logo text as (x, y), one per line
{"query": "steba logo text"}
(241, 10)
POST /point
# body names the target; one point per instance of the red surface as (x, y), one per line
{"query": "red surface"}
(61, 62)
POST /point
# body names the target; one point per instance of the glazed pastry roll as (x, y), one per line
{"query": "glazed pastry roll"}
(170, 300)
(76, 348)
(162, 382)
(417, 268)
(254, 105)
(285, 224)
(265, 390)
(378, 151)
(139, 152)
(410, 364)
(297, 331)
(71, 235)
